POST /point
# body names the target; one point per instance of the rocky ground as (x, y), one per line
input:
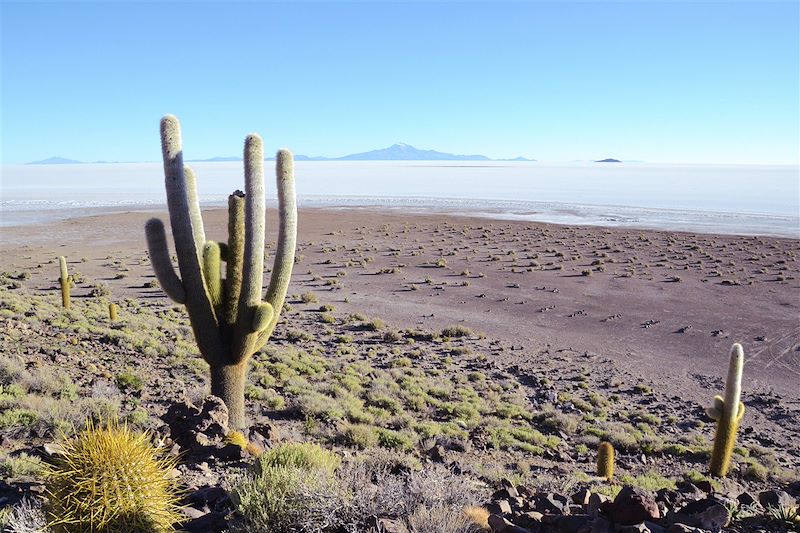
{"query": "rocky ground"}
(504, 352)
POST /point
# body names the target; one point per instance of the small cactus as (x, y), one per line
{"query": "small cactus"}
(728, 413)
(110, 478)
(112, 312)
(65, 279)
(605, 460)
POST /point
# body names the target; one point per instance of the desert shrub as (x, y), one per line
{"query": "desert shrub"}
(305, 455)
(457, 331)
(360, 436)
(308, 298)
(21, 465)
(441, 519)
(25, 517)
(291, 488)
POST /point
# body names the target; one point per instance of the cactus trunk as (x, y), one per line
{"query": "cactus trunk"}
(229, 318)
(228, 382)
(728, 412)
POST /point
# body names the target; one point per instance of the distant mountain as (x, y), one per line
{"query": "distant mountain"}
(520, 158)
(55, 161)
(215, 159)
(406, 152)
(609, 160)
(396, 152)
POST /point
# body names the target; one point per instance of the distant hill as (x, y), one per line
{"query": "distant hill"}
(395, 152)
(55, 161)
(215, 159)
(406, 152)
(609, 160)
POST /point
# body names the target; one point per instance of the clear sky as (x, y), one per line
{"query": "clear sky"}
(682, 82)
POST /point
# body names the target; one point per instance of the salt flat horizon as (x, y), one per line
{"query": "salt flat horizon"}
(727, 199)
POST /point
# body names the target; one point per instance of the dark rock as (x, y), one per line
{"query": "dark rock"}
(207, 523)
(596, 501)
(654, 528)
(207, 498)
(746, 498)
(573, 524)
(705, 486)
(499, 507)
(707, 514)
(503, 494)
(517, 503)
(549, 503)
(437, 454)
(231, 452)
(632, 506)
(197, 429)
(529, 520)
(498, 524)
(638, 528)
(581, 497)
(775, 498)
(601, 525)
(264, 435)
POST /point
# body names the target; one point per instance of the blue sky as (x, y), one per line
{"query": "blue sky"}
(681, 82)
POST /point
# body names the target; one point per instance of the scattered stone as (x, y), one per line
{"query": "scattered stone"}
(499, 507)
(632, 506)
(775, 498)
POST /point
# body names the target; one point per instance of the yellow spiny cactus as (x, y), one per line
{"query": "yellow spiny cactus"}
(605, 460)
(112, 479)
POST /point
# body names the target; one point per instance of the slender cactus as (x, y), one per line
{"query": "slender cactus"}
(112, 312)
(605, 460)
(66, 280)
(728, 413)
(229, 318)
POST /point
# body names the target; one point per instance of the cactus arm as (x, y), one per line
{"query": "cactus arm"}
(733, 410)
(198, 303)
(262, 317)
(162, 265)
(211, 272)
(287, 240)
(194, 209)
(233, 279)
(253, 261)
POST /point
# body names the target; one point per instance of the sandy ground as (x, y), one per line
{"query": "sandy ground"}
(665, 306)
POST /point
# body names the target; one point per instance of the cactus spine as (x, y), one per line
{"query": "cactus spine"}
(728, 412)
(229, 318)
(605, 460)
(65, 279)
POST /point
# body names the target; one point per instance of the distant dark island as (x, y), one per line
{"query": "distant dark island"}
(609, 160)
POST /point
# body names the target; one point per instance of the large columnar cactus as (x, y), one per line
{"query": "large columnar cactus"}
(728, 412)
(229, 318)
(66, 280)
